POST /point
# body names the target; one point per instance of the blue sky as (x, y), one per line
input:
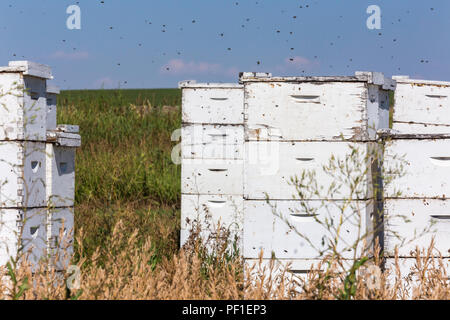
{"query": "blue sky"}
(157, 43)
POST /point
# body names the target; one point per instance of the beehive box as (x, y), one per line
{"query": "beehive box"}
(212, 103)
(23, 101)
(213, 142)
(212, 151)
(421, 106)
(60, 170)
(60, 230)
(426, 160)
(316, 108)
(297, 230)
(23, 232)
(411, 223)
(271, 166)
(22, 180)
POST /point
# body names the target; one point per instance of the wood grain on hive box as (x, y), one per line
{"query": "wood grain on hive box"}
(212, 141)
(27, 227)
(421, 106)
(60, 175)
(22, 183)
(269, 167)
(23, 97)
(270, 226)
(406, 220)
(209, 176)
(212, 103)
(314, 111)
(209, 210)
(427, 167)
(60, 232)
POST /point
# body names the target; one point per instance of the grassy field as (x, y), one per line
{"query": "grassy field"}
(124, 169)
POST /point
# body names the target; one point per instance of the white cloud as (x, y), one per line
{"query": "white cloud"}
(179, 66)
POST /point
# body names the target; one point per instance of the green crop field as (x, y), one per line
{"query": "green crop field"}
(124, 168)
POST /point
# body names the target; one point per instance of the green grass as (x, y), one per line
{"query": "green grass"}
(124, 168)
(158, 97)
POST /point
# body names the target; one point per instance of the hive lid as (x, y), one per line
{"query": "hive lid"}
(376, 78)
(64, 139)
(194, 84)
(406, 79)
(29, 68)
(395, 135)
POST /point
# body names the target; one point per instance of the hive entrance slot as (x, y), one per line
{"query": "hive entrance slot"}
(35, 166)
(306, 98)
(63, 167)
(305, 215)
(34, 232)
(441, 217)
(436, 96)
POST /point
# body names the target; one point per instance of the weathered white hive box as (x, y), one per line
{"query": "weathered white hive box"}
(23, 103)
(60, 182)
(212, 152)
(421, 210)
(315, 108)
(270, 167)
(22, 174)
(288, 230)
(421, 106)
(60, 229)
(24, 228)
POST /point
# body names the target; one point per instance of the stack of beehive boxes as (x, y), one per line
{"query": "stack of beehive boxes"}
(36, 164)
(296, 124)
(212, 159)
(241, 144)
(421, 142)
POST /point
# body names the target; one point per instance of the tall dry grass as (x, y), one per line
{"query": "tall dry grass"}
(125, 269)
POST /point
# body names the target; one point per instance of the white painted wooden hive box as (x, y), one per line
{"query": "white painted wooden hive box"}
(22, 179)
(315, 108)
(421, 210)
(212, 152)
(421, 106)
(25, 227)
(23, 101)
(60, 175)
